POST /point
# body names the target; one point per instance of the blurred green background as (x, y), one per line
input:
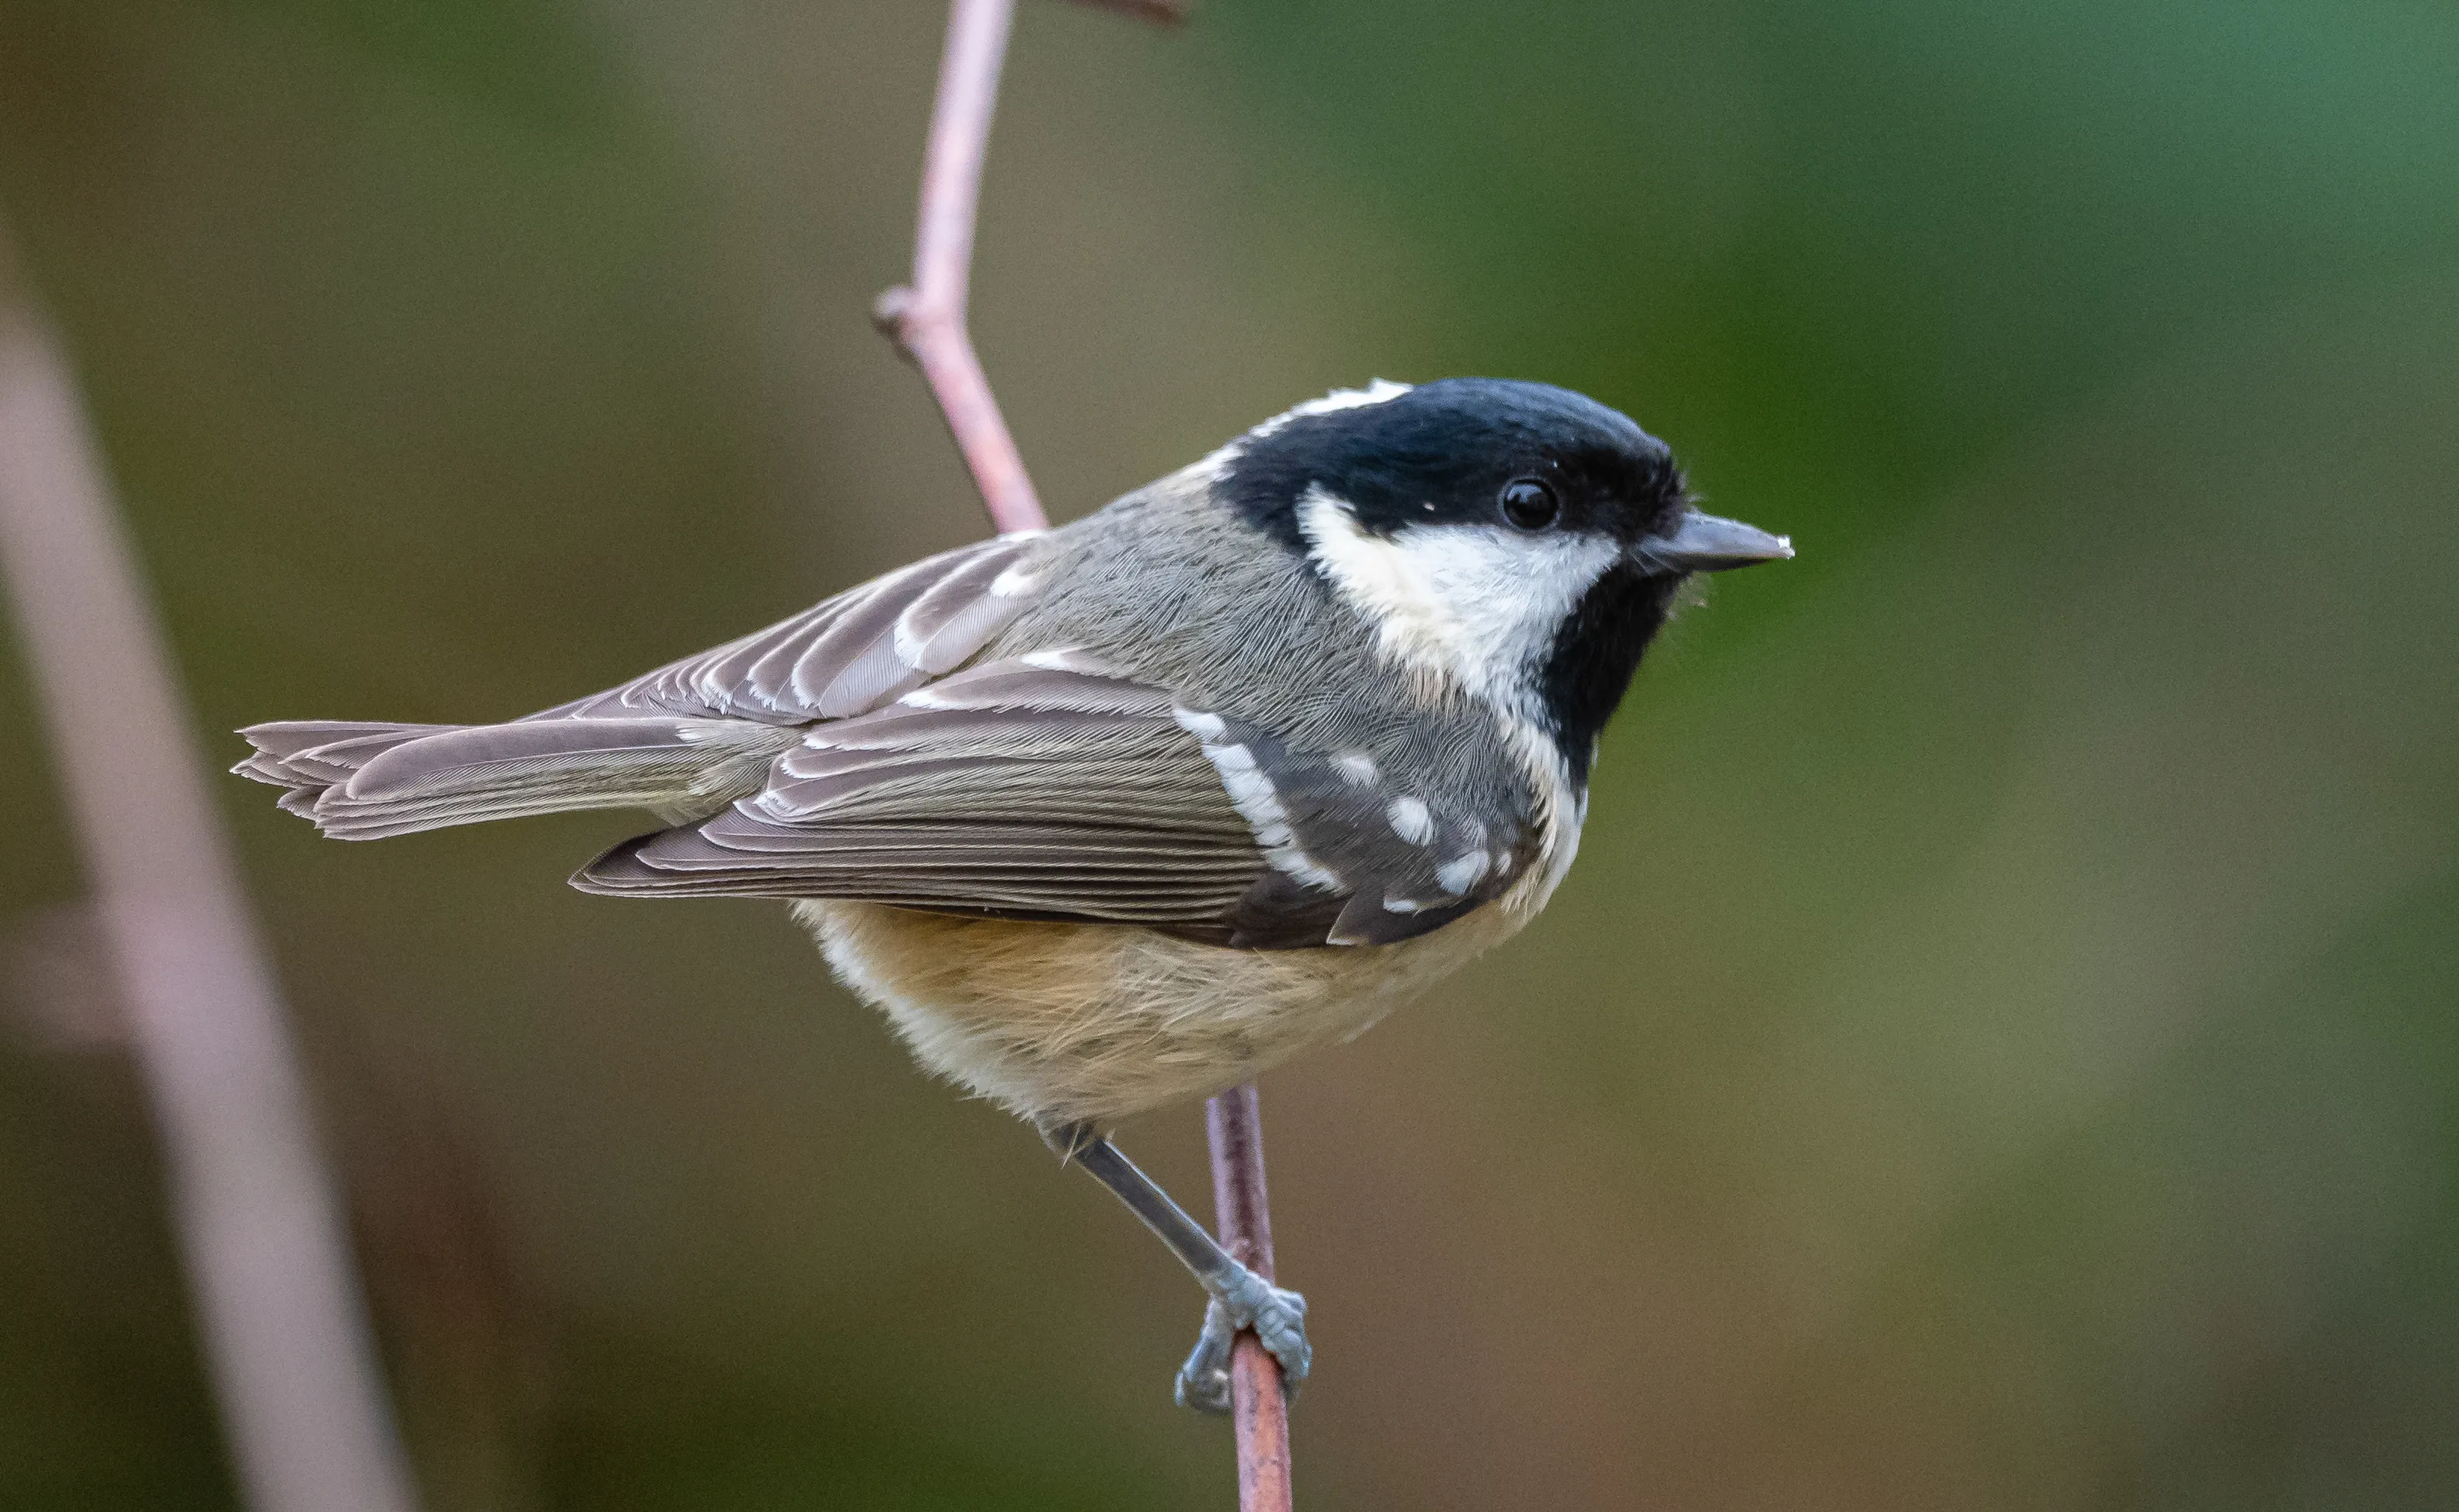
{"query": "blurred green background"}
(1996, 1050)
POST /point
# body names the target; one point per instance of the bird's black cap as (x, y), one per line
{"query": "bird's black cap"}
(1441, 453)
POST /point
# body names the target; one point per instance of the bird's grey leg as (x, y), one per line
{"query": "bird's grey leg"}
(1240, 1298)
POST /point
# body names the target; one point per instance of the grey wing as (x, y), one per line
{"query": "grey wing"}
(1054, 788)
(1358, 856)
(684, 740)
(1031, 789)
(848, 656)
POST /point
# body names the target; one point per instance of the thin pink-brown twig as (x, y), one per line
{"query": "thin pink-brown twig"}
(261, 1233)
(1233, 1123)
(928, 316)
(928, 319)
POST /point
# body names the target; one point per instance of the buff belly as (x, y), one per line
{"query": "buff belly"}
(1059, 1022)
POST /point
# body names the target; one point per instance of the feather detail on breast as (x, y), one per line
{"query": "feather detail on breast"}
(1099, 1022)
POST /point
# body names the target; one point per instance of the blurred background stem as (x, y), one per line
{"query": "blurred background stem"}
(259, 1226)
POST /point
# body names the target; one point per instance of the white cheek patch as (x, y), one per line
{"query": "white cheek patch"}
(1472, 606)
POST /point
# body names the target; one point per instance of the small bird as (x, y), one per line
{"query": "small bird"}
(1116, 816)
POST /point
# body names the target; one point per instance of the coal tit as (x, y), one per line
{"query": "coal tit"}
(1120, 814)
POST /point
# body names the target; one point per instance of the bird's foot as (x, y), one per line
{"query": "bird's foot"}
(1249, 1301)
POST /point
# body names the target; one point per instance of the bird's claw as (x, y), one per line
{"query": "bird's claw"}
(1278, 1318)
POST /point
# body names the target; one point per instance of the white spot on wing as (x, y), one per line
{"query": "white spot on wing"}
(1258, 801)
(909, 646)
(1410, 820)
(1205, 728)
(1461, 873)
(1066, 659)
(1356, 767)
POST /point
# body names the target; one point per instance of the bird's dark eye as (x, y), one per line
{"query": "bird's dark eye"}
(1529, 504)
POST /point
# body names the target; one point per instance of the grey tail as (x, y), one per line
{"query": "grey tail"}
(366, 782)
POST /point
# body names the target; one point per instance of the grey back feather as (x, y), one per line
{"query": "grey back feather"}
(1246, 634)
(846, 657)
(1197, 741)
(681, 741)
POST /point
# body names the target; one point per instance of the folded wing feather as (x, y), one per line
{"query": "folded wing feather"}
(852, 752)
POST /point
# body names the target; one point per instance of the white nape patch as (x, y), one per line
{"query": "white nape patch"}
(1410, 820)
(1258, 801)
(1461, 873)
(1356, 767)
(1218, 461)
(1380, 390)
(1474, 606)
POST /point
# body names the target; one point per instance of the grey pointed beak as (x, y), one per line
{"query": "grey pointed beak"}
(1706, 543)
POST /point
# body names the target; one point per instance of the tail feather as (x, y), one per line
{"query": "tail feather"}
(295, 752)
(366, 782)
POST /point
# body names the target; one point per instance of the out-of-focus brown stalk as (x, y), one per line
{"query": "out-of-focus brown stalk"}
(259, 1229)
(928, 319)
